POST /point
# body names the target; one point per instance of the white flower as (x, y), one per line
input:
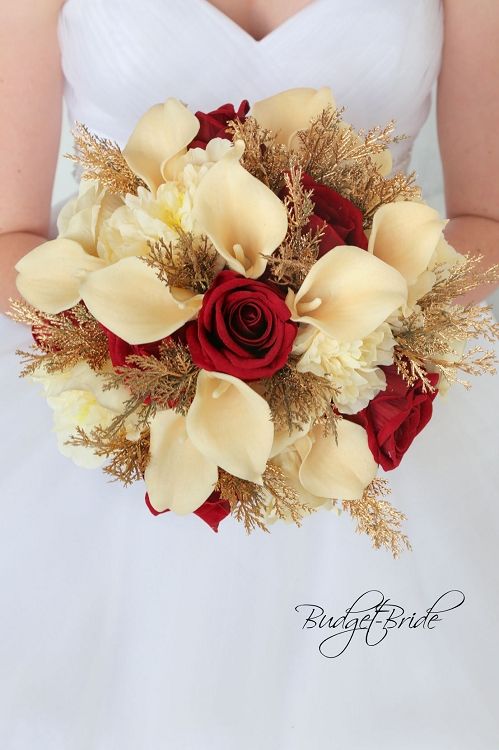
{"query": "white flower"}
(194, 165)
(74, 409)
(78, 400)
(186, 451)
(242, 217)
(50, 275)
(82, 218)
(290, 111)
(322, 469)
(408, 235)
(159, 140)
(290, 461)
(244, 220)
(148, 217)
(352, 366)
(145, 218)
(347, 294)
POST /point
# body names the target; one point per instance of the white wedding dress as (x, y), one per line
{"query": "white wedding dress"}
(122, 631)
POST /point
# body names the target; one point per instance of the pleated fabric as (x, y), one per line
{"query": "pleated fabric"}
(122, 56)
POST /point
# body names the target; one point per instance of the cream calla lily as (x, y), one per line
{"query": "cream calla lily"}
(405, 234)
(348, 293)
(231, 425)
(243, 218)
(289, 461)
(339, 469)
(290, 111)
(49, 276)
(129, 299)
(283, 438)
(162, 134)
(179, 476)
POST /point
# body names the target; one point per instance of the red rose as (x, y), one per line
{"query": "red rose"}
(395, 416)
(341, 219)
(119, 349)
(243, 328)
(214, 124)
(212, 511)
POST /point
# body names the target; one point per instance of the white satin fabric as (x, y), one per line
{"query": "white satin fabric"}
(121, 631)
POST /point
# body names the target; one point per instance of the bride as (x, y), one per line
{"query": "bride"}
(122, 630)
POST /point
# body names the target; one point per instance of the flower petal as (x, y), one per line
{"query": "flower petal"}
(129, 299)
(283, 439)
(49, 276)
(289, 461)
(77, 219)
(405, 235)
(178, 477)
(348, 293)
(81, 377)
(231, 425)
(81, 219)
(242, 217)
(162, 133)
(338, 470)
(291, 110)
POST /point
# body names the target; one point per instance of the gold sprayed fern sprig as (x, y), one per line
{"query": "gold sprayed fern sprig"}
(62, 340)
(191, 262)
(296, 398)
(294, 258)
(376, 517)
(433, 336)
(166, 381)
(128, 458)
(334, 154)
(103, 160)
(251, 503)
(263, 156)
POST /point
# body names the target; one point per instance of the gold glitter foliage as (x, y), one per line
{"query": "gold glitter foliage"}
(298, 398)
(294, 258)
(249, 502)
(433, 336)
(189, 263)
(377, 518)
(246, 500)
(128, 458)
(103, 160)
(285, 500)
(167, 381)
(61, 340)
(336, 155)
(263, 157)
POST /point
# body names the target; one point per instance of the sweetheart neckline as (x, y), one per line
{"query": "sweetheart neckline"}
(282, 27)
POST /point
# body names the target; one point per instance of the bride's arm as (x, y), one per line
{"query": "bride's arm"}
(468, 127)
(30, 122)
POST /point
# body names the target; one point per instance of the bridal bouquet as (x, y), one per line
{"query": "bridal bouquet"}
(249, 312)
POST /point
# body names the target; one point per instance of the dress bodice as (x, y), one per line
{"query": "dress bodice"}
(120, 57)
